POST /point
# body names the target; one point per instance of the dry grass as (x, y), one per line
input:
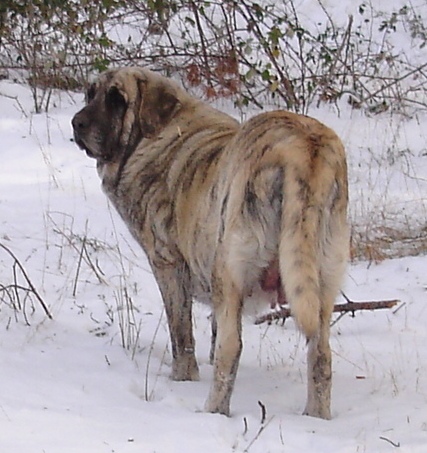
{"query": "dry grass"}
(384, 243)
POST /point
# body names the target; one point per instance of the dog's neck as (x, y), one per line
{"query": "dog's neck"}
(108, 172)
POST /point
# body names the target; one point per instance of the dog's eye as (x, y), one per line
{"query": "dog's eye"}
(90, 94)
(115, 98)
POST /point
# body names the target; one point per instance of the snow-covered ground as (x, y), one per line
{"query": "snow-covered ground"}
(68, 385)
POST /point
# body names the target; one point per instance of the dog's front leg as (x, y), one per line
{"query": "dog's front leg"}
(227, 301)
(175, 286)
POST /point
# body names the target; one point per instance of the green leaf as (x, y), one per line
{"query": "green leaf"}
(275, 34)
(101, 64)
(265, 75)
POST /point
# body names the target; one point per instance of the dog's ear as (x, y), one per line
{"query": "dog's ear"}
(158, 103)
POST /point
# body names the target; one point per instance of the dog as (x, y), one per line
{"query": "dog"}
(223, 210)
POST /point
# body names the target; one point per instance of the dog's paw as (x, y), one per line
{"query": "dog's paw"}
(215, 407)
(318, 412)
(185, 369)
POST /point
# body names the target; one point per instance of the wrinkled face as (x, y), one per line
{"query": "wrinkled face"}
(123, 106)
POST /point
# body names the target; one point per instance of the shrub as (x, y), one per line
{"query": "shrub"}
(252, 53)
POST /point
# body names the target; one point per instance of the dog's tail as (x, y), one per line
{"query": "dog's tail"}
(313, 241)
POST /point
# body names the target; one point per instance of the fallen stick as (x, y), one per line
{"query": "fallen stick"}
(348, 307)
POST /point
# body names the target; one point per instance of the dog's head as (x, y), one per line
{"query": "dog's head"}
(124, 106)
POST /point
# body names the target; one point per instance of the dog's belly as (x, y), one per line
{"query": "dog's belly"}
(266, 291)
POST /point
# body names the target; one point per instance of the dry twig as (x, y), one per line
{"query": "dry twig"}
(31, 288)
(348, 307)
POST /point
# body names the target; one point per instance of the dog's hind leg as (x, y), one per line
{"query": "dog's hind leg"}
(334, 250)
(319, 372)
(227, 300)
(174, 283)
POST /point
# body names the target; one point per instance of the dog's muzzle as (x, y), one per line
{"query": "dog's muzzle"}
(80, 125)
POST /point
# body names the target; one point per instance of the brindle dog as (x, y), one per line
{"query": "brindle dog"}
(223, 210)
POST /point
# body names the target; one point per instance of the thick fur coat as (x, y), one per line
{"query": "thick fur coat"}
(223, 210)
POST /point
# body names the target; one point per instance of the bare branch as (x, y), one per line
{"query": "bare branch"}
(349, 307)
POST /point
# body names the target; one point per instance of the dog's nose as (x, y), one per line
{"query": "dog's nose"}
(80, 122)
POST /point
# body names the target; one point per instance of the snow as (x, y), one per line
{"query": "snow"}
(68, 385)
